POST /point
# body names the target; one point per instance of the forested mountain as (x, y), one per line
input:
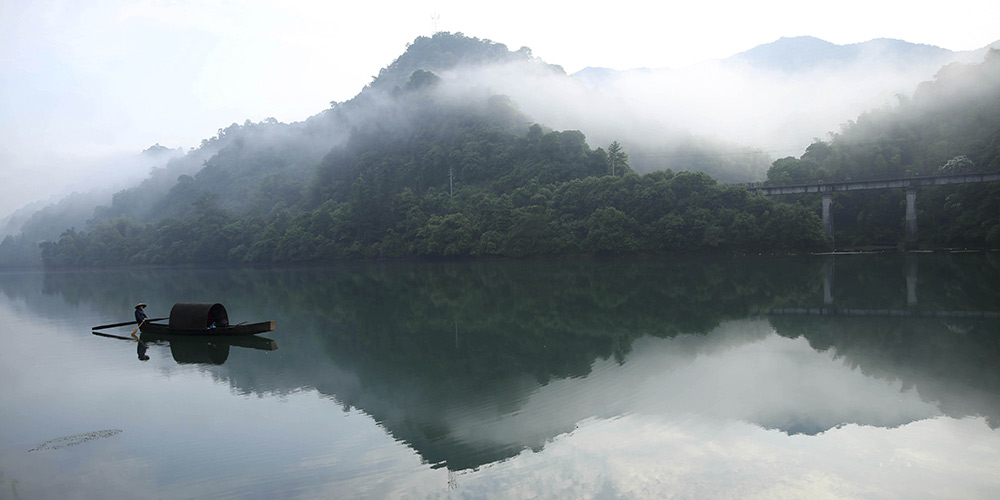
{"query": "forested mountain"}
(417, 168)
(949, 125)
(23, 230)
(430, 161)
(450, 180)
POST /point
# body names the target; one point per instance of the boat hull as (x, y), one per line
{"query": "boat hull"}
(224, 331)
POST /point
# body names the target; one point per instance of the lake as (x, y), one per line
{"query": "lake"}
(848, 376)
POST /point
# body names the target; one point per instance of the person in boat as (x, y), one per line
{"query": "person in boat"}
(212, 322)
(140, 312)
(140, 316)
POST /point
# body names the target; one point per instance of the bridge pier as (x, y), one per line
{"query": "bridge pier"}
(828, 215)
(910, 270)
(911, 217)
(828, 282)
(911, 280)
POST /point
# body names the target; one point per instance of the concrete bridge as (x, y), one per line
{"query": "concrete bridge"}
(909, 183)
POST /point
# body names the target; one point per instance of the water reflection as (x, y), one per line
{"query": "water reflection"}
(140, 350)
(206, 349)
(209, 350)
(473, 363)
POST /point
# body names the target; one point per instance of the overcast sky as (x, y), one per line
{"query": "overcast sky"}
(84, 81)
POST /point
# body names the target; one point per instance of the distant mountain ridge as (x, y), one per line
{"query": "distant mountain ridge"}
(806, 52)
(778, 96)
(803, 53)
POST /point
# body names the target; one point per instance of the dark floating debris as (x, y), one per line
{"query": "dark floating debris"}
(55, 444)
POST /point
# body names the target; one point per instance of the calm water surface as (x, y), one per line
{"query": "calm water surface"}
(870, 376)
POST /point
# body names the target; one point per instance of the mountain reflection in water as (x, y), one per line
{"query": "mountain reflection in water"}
(473, 363)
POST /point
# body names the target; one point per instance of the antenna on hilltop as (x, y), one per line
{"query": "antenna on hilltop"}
(434, 22)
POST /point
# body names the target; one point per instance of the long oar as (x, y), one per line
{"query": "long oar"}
(137, 328)
(108, 335)
(124, 324)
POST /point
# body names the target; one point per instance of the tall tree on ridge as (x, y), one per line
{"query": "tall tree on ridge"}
(617, 158)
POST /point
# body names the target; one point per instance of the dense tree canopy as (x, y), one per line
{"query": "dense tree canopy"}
(408, 170)
(428, 177)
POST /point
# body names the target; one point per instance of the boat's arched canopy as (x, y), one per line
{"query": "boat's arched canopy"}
(197, 315)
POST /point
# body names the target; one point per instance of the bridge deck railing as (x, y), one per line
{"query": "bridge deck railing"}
(899, 182)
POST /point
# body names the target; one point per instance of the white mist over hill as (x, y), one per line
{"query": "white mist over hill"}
(84, 81)
(768, 102)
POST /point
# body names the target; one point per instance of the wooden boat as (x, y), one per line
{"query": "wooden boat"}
(204, 319)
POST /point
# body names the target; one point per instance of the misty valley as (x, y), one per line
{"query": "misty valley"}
(453, 152)
(865, 375)
(492, 279)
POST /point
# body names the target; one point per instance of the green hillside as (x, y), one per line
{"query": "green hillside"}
(949, 125)
(410, 168)
(413, 171)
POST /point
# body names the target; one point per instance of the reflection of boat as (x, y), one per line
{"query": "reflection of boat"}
(203, 318)
(207, 349)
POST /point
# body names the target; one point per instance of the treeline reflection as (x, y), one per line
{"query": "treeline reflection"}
(408, 343)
